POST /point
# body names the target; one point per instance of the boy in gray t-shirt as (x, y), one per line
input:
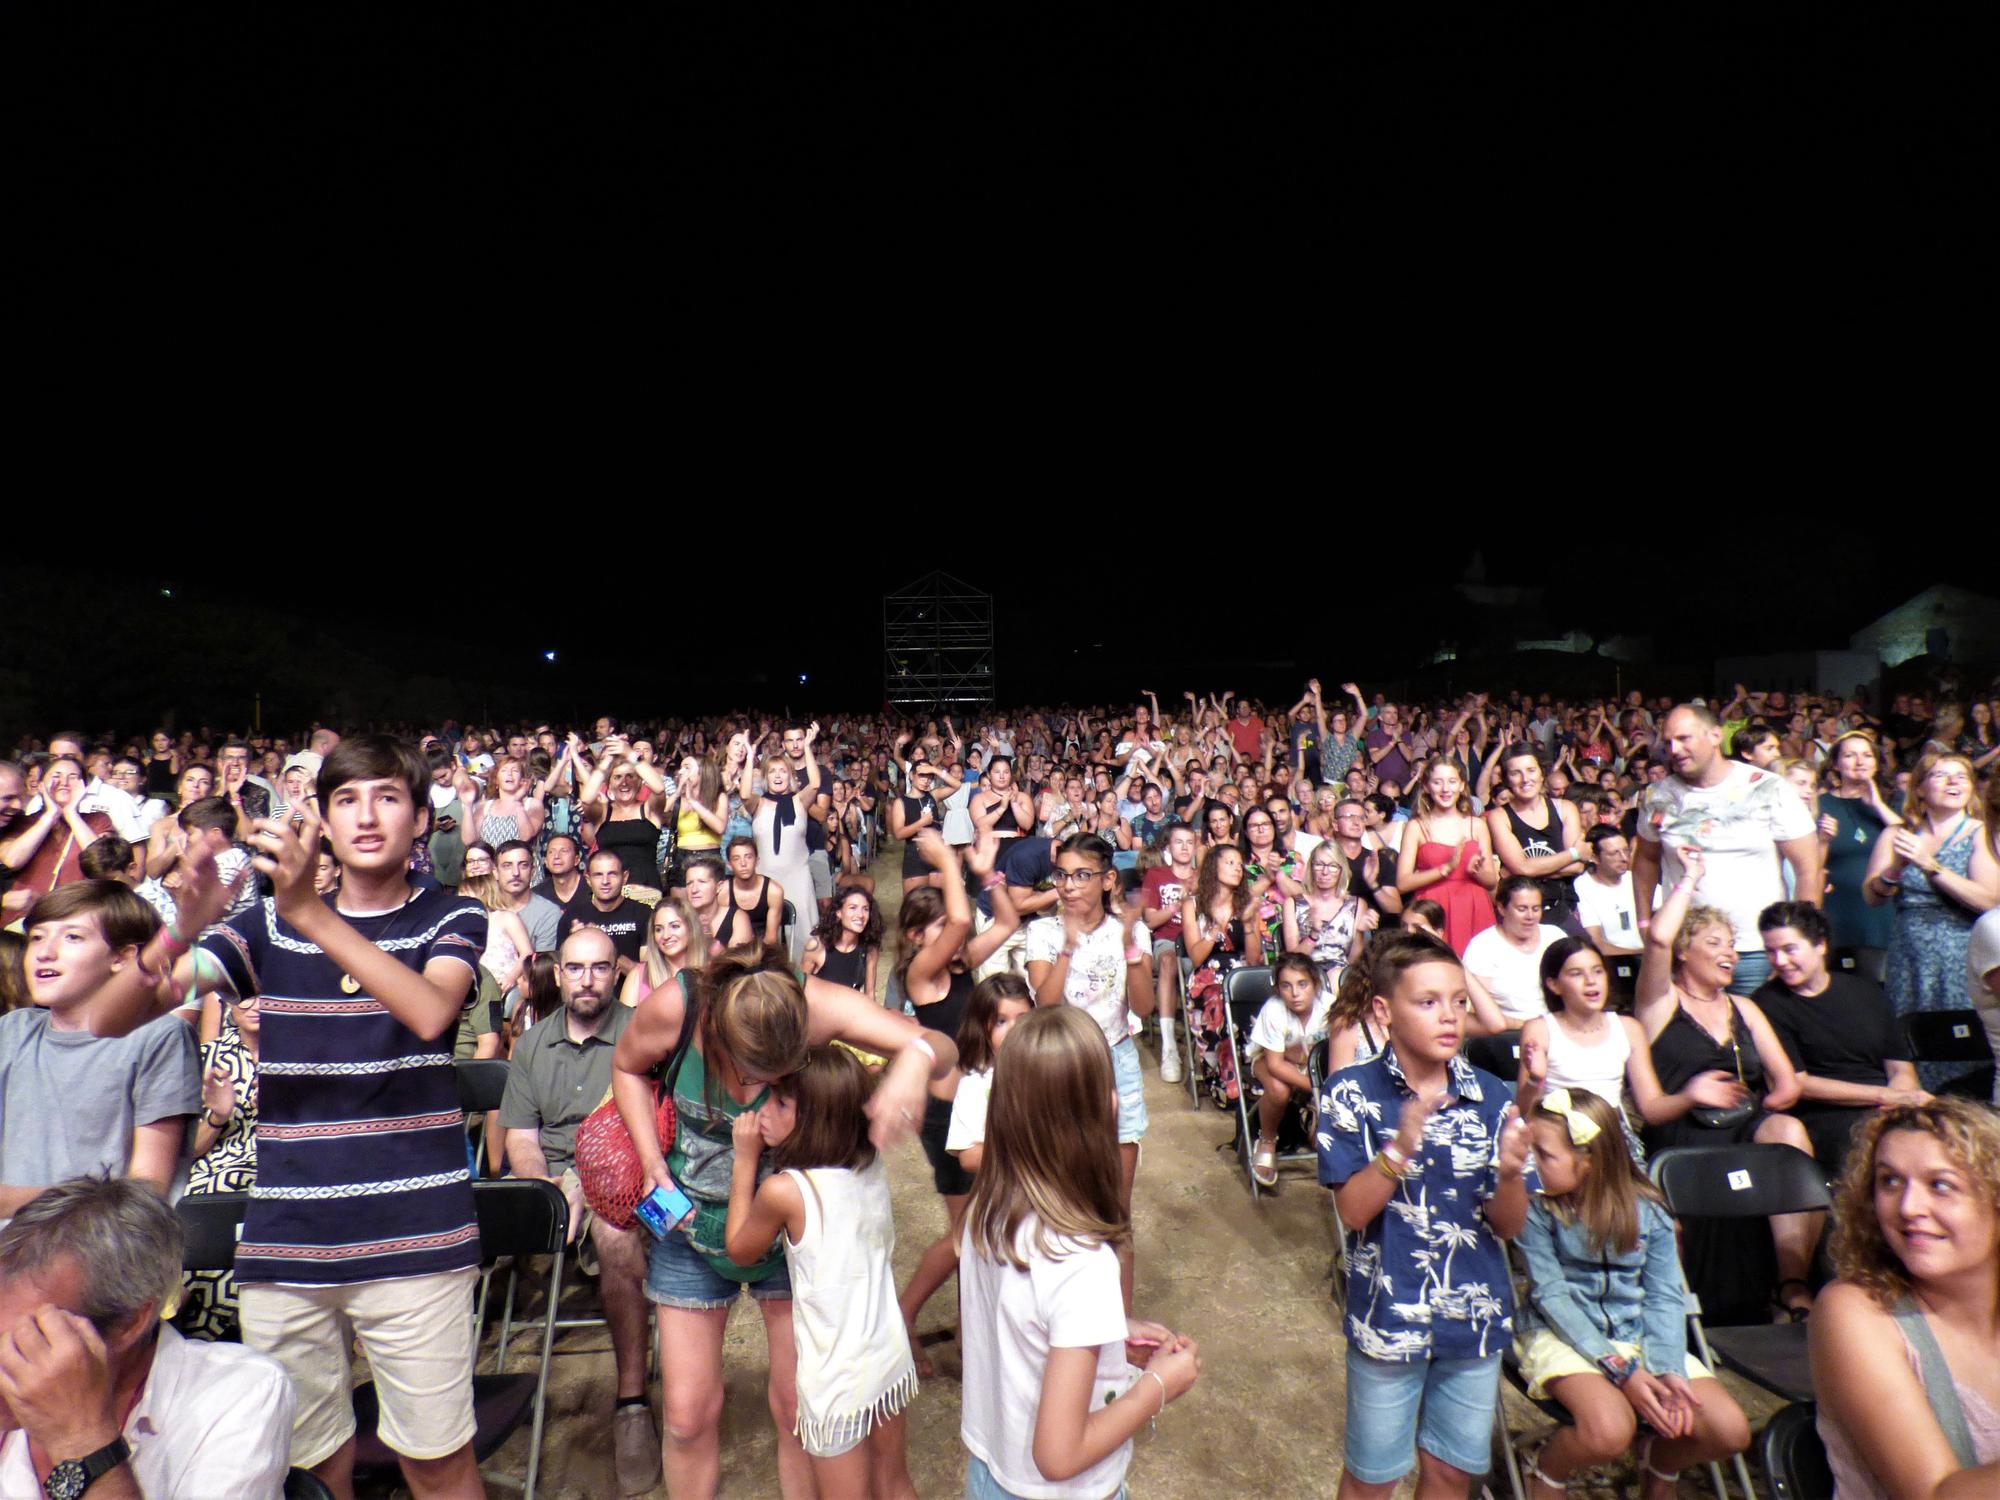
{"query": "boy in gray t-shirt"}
(72, 1103)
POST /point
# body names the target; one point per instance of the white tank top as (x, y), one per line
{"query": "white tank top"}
(1598, 1066)
(855, 1368)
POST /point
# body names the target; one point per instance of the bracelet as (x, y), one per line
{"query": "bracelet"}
(1164, 1398)
(209, 1119)
(1136, 955)
(170, 934)
(1381, 1164)
(1395, 1154)
(924, 1047)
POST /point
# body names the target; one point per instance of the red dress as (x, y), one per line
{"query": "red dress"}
(1468, 905)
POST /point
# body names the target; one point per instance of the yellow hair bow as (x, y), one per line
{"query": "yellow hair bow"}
(1582, 1129)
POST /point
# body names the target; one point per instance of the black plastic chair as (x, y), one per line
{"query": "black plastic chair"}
(517, 1217)
(785, 924)
(1953, 1036)
(1794, 1458)
(482, 1084)
(1499, 1054)
(211, 1224)
(1244, 992)
(1751, 1181)
(1191, 1063)
(303, 1484)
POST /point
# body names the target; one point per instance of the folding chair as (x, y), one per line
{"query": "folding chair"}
(517, 1216)
(785, 924)
(1953, 1036)
(1316, 1060)
(1794, 1458)
(1244, 992)
(211, 1224)
(1191, 1071)
(482, 1083)
(1751, 1181)
(1499, 1054)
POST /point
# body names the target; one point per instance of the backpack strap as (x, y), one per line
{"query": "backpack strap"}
(1939, 1389)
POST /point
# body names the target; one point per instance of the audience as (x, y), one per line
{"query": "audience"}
(1533, 842)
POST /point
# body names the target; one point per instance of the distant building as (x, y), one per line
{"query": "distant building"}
(1951, 624)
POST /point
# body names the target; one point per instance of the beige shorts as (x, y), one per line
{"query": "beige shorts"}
(417, 1334)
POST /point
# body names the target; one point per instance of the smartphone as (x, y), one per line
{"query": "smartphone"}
(663, 1209)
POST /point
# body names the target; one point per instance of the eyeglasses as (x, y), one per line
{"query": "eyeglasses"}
(578, 971)
(1076, 877)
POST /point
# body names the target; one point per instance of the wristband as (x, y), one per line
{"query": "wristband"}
(924, 1047)
(1136, 955)
(993, 878)
(1395, 1154)
(170, 934)
(1382, 1165)
(1617, 1368)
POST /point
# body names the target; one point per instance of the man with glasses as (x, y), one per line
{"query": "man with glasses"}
(560, 1072)
(1371, 872)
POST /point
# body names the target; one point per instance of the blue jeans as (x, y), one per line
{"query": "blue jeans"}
(981, 1485)
(1394, 1407)
(1753, 967)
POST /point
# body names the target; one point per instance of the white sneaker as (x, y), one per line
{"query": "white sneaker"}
(1170, 1065)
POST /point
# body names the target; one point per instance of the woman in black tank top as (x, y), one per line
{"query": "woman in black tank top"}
(616, 817)
(1558, 839)
(936, 956)
(853, 921)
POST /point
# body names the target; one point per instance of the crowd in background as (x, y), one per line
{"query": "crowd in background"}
(1698, 922)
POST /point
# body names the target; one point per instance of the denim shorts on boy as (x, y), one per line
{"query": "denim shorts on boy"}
(1394, 1407)
(1131, 1091)
(677, 1276)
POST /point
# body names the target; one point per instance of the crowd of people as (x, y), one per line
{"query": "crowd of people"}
(246, 964)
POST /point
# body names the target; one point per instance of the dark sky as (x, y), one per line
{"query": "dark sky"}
(1093, 630)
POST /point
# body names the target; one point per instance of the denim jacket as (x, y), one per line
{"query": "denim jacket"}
(1591, 1297)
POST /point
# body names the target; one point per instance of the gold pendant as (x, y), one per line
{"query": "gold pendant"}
(349, 985)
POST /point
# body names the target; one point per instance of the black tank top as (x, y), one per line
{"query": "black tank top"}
(1006, 822)
(914, 862)
(636, 842)
(944, 1015)
(758, 913)
(850, 969)
(159, 777)
(1539, 843)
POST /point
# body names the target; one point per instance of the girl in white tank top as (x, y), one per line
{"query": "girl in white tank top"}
(830, 1197)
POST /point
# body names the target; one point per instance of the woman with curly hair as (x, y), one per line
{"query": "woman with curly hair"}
(1916, 1246)
(843, 948)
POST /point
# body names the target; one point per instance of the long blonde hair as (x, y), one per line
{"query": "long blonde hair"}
(485, 889)
(1606, 1201)
(697, 948)
(1051, 1141)
(1429, 809)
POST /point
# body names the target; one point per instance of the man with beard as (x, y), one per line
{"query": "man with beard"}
(561, 1071)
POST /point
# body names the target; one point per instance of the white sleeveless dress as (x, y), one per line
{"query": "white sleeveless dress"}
(1598, 1067)
(855, 1368)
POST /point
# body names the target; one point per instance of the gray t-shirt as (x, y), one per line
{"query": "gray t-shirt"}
(69, 1101)
(541, 917)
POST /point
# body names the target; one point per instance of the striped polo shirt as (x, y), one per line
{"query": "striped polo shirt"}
(361, 1162)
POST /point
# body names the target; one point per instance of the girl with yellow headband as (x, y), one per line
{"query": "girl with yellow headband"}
(1603, 1330)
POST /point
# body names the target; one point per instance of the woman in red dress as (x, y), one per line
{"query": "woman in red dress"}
(1448, 858)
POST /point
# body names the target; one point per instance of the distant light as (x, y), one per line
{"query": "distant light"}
(166, 593)
(802, 679)
(548, 656)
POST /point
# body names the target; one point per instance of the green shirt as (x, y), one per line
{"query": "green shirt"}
(553, 1082)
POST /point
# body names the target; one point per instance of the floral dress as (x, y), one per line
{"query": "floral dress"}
(1208, 1011)
(1925, 967)
(209, 1299)
(1270, 909)
(1329, 942)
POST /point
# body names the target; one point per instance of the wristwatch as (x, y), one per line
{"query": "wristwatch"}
(70, 1478)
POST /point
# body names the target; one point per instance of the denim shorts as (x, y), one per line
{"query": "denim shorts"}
(677, 1276)
(981, 1485)
(1394, 1407)
(1131, 1091)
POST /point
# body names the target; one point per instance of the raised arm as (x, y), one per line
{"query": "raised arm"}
(1653, 995)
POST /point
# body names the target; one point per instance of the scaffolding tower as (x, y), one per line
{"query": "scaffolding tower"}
(937, 644)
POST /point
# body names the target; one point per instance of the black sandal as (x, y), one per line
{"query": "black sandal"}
(1784, 1309)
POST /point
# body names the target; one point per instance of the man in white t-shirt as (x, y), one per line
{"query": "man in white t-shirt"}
(1982, 972)
(1604, 903)
(1745, 821)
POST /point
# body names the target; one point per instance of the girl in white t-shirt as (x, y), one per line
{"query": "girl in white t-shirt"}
(1283, 1029)
(831, 1198)
(1050, 1400)
(996, 1003)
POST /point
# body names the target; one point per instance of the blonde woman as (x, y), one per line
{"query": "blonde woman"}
(1694, 1026)
(1916, 1246)
(675, 941)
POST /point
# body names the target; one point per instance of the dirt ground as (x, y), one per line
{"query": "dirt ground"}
(1248, 1280)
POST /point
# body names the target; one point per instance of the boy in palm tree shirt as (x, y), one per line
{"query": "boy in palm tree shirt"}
(1429, 1167)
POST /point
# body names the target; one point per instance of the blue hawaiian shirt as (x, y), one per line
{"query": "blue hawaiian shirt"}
(1427, 1279)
